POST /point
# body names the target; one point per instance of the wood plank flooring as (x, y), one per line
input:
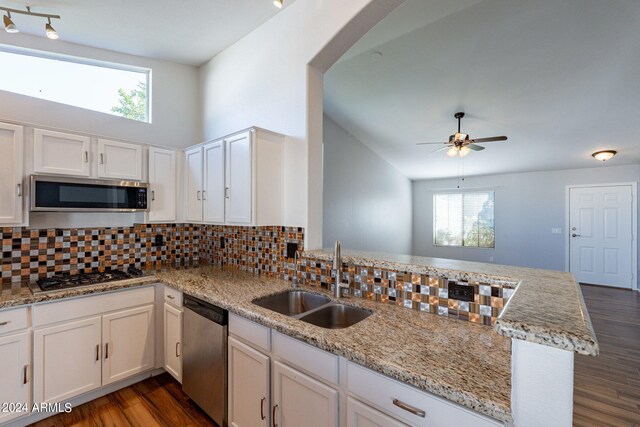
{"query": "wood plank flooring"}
(607, 388)
(158, 401)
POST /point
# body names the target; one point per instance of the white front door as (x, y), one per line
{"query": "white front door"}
(600, 235)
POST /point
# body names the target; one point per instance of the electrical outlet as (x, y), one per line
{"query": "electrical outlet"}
(491, 258)
(159, 240)
(221, 242)
(292, 248)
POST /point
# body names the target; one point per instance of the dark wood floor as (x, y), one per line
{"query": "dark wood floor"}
(607, 387)
(158, 401)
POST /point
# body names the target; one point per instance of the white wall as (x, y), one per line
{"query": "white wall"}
(175, 105)
(367, 202)
(264, 80)
(527, 206)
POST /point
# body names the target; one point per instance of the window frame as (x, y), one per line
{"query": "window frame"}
(433, 219)
(54, 56)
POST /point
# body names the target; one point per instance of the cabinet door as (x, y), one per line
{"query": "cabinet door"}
(119, 160)
(299, 400)
(248, 386)
(361, 415)
(194, 184)
(239, 179)
(66, 360)
(14, 373)
(162, 185)
(128, 343)
(213, 192)
(61, 153)
(173, 341)
(11, 169)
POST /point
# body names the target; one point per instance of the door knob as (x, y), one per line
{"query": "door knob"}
(575, 235)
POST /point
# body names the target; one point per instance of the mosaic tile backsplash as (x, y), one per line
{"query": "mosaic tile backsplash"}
(28, 254)
(414, 291)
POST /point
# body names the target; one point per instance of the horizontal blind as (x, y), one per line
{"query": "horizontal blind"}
(464, 219)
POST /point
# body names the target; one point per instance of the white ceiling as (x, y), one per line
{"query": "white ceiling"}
(560, 78)
(186, 32)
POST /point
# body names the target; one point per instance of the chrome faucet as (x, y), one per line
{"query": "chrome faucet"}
(295, 282)
(337, 268)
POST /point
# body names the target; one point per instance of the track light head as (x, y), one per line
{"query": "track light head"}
(278, 3)
(51, 32)
(9, 26)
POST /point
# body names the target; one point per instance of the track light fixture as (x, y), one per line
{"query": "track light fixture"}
(278, 3)
(10, 27)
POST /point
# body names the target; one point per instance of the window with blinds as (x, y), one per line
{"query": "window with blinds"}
(464, 219)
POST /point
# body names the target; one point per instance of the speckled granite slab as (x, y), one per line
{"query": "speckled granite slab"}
(546, 308)
(466, 363)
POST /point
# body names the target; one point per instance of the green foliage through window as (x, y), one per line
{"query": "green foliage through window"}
(132, 105)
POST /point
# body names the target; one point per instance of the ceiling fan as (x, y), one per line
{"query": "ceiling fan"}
(460, 144)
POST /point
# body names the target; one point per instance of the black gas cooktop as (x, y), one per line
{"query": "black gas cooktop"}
(65, 281)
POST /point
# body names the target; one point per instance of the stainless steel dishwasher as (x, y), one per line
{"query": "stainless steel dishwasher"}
(204, 357)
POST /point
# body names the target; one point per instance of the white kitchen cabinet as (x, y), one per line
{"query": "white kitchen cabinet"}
(173, 341)
(238, 180)
(15, 376)
(249, 403)
(193, 184)
(129, 343)
(11, 171)
(119, 160)
(213, 193)
(361, 415)
(61, 153)
(162, 185)
(67, 360)
(299, 400)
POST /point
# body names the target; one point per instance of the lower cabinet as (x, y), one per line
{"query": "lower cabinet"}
(299, 400)
(173, 341)
(66, 359)
(249, 403)
(14, 375)
(361, 415)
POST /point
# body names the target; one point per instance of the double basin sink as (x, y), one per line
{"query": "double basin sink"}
(312, 308)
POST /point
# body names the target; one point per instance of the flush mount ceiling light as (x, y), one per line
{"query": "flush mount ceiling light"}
(10, 27)
(604, 155)
(278, 3)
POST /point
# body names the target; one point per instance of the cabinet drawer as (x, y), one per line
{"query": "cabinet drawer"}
(313, 360)
(173, 297)
(381, 391)
(13, 319)
(257, 335)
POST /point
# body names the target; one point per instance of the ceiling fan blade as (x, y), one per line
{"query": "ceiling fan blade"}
(490, 139)
(427, 143)
(446, 147)
(475, 147)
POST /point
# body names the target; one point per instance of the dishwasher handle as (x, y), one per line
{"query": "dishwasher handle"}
(204, 309)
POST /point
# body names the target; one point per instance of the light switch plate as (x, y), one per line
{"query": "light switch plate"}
(556, 230)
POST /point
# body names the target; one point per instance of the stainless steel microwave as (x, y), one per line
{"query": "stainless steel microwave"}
(57, 193)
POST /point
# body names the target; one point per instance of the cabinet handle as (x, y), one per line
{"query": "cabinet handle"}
(86, 157)
(409, 408)
(24, 374)
(203, 193)
(273, 416)
(106, 351)
(177, 345)
(19, 190)
(262, 417)
(153, 195)
(97, 352)
(6, 322)
(171, 297)
(102, 158)
(226, 192)
(198, 194)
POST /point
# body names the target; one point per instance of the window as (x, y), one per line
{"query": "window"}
(464, 219)
(108, 88)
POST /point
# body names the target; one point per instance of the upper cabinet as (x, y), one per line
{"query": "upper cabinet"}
(11, 171)
(119, 160)
(162, 185)
(236, 180)
(61, 153)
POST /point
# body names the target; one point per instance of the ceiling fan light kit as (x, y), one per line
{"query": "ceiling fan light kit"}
(460, 144)
(604, 155)
(10, 26)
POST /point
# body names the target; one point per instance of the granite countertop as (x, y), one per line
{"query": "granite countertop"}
(463, 362)
(546, 308)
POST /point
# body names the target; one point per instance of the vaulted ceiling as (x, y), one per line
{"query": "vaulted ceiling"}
(559, 78)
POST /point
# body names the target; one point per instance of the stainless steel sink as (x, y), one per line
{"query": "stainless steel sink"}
(336, 316)
(292, 303)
